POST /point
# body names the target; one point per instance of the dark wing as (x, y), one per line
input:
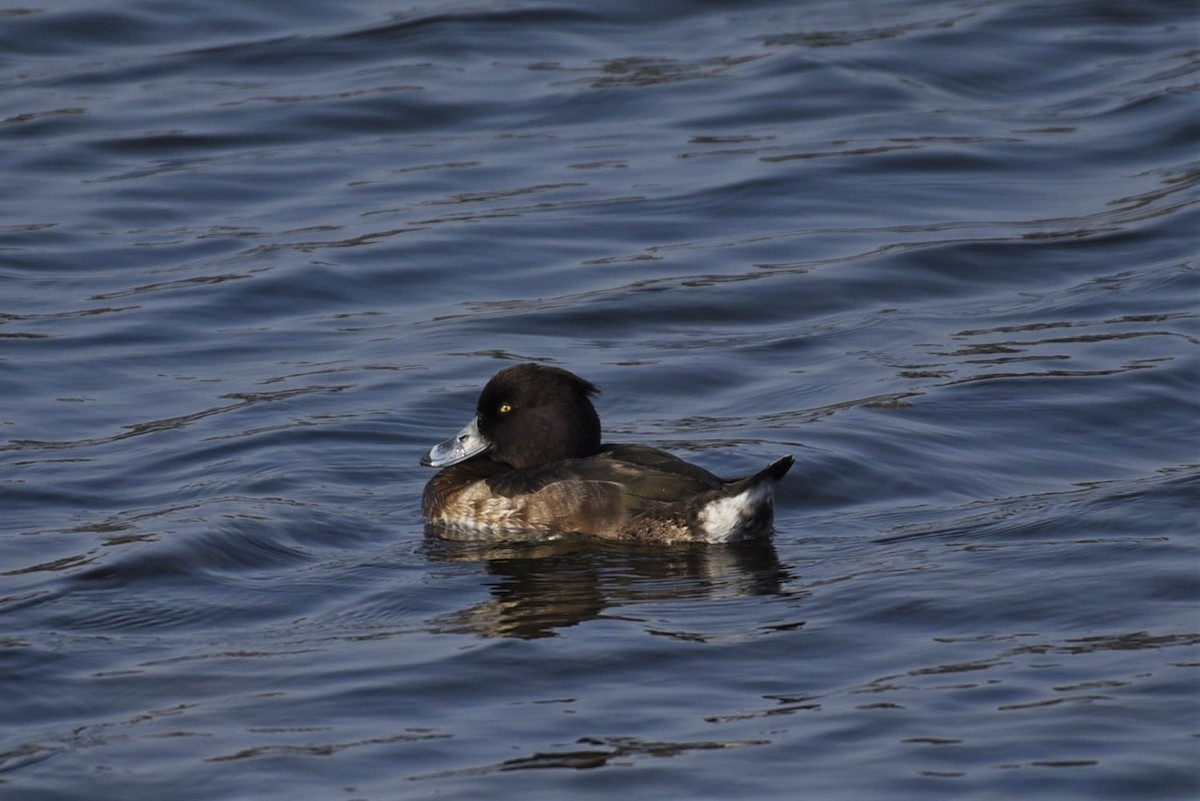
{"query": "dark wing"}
(643, 471)
(661, 461)
(600, 493)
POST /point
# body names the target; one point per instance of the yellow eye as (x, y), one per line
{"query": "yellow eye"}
(505, 408)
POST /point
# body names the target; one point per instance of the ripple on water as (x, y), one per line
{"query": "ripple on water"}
(255, 264)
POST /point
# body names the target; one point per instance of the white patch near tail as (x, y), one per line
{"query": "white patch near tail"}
(725, 518)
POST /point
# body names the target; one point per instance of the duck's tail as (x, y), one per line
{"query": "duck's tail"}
(775, 470)
(744, 508)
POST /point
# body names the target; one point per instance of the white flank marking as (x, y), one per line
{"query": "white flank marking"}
(724, 517)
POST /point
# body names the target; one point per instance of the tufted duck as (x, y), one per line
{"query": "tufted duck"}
(530, 462)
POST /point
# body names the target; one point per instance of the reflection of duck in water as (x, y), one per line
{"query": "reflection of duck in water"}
(531, 461)
(537, 588)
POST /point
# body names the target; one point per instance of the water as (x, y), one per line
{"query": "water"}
(256, 257)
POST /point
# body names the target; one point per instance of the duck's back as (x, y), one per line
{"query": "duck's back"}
(645, 472)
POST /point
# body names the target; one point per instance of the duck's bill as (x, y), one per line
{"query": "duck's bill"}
(462, 446)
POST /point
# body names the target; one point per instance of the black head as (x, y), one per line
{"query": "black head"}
(532, 414)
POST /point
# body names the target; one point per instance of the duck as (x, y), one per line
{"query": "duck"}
(530, 463)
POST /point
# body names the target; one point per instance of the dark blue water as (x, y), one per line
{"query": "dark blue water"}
(255, 257)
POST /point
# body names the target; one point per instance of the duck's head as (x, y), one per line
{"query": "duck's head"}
(527, 415)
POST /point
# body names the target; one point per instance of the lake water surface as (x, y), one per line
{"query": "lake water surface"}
(256, 257)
